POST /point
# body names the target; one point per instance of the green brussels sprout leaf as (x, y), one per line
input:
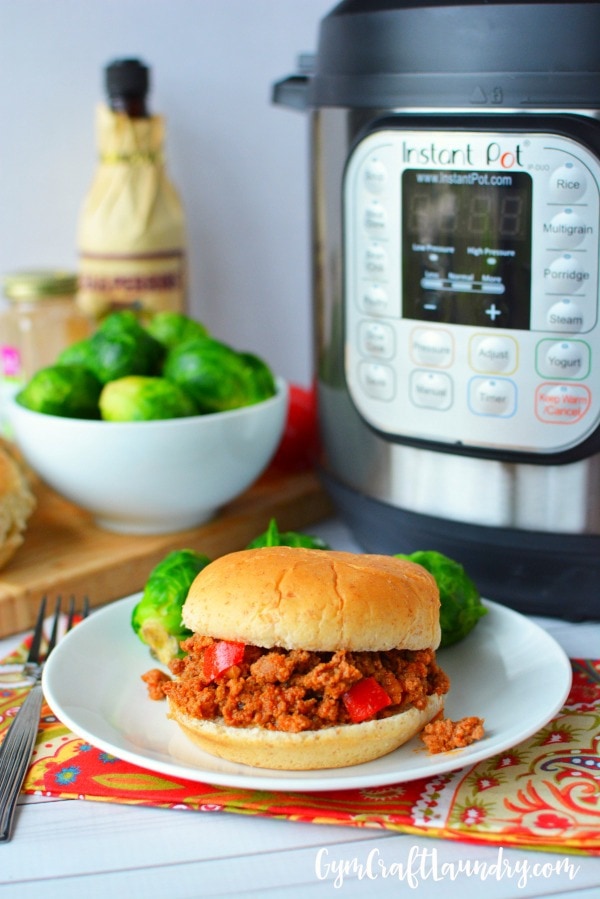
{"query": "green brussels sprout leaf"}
(156, 618)
(171, 328)
(461, 606)
(274, 537)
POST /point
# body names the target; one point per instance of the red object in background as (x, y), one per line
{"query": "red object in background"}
(220, 656)
(364, 699)
(299, 445)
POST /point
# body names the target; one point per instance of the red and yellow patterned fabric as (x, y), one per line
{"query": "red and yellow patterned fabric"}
(543, 794)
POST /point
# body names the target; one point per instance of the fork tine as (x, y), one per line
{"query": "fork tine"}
(36, 641)
(54, 634)
(71, 614)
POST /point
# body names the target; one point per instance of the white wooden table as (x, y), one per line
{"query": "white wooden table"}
(69, 848)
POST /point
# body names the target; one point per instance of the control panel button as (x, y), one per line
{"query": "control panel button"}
(433, 347)
(493, 396)
(378, 381)
(376, 339)
(375, 300)
(376, 218)
(562, 404)
(566, 315)
(432, 390)
(566, 230)
(563, 359)
(376, 261)
(565, 275)
(493, 354)
(567, 183)
(375, 175)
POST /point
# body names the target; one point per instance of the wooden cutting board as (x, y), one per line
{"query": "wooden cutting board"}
(65, 554)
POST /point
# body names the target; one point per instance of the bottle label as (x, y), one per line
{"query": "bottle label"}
(150, 282)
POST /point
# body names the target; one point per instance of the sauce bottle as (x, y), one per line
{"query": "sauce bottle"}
(131, 235)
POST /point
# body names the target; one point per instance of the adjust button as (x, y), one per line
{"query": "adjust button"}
(492, 354)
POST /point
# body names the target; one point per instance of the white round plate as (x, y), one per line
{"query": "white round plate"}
(508, 671)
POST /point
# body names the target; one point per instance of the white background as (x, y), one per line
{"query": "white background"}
(240, 163)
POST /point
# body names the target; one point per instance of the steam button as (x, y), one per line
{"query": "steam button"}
(567, 316)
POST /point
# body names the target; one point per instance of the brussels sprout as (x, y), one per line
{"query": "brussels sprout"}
(70, 391)
(172, 328)
(144, 398)
(212, 373)
(119, 347)
(156, 618)
(260, 377)
(461, 606)
(274, 537)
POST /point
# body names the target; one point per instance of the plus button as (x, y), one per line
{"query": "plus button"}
(493, 312)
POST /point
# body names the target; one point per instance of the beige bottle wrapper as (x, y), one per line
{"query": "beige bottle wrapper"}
(132, 226)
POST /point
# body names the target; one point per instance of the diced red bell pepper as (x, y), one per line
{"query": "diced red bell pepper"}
(364, 699)
(220, 656)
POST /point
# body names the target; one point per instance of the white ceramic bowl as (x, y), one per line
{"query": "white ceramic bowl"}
(152, 477)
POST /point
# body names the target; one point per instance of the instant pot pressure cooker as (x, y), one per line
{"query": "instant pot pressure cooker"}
(455, 209)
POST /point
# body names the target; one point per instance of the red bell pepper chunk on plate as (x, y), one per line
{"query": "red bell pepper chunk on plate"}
(364, 699)
(220, 656)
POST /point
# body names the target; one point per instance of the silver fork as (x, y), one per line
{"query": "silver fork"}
(17, 748)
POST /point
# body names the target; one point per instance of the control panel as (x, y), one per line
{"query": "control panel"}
(471, 288)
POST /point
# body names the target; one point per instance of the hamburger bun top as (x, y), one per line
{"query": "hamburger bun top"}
(314, 599)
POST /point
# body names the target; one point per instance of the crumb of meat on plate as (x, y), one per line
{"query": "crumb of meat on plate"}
(443, 735)
(155, 679)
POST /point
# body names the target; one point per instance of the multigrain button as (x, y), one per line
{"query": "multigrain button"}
(567, 183)
(431, 390)
(431, 346)
(493, 396)
(492, 354)
(567, 229)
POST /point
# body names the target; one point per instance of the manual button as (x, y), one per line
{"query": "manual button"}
(432, 390)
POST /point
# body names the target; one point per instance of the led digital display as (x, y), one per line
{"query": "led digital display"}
(466, 247)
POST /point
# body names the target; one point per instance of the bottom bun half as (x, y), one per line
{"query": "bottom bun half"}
(331, 747)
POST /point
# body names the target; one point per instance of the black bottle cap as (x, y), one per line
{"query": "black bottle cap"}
(127, 78)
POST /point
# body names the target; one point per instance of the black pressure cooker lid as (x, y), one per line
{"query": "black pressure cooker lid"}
(441, 53)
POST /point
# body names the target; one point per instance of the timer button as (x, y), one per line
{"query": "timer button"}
(563, 359)
(375, 175)
(377, 380)
(566, 230)
(432, 347)
(431, 390)
(493, 396)
(566, 315)
(565, 275)
(493, 354)
(375, 339)
(567, 183)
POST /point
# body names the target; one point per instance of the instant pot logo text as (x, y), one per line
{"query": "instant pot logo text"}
(492, 154)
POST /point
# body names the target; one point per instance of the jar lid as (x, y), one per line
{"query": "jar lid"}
(39, 284)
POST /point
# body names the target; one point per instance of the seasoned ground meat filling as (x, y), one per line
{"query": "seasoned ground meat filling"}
(297, 690)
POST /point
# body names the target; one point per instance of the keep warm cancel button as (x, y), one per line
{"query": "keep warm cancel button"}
(562, 404)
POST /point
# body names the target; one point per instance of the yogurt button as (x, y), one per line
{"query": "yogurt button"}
(567, 183)
(564, 359)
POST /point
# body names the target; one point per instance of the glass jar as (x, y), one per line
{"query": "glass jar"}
(39, 319)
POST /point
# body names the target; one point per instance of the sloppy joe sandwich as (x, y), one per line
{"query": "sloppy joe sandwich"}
(304, 659)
